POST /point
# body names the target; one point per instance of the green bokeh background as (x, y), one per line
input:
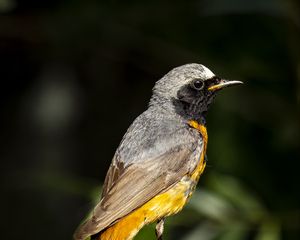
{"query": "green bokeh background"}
(75, 74)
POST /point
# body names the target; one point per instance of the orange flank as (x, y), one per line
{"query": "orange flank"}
(163, 205)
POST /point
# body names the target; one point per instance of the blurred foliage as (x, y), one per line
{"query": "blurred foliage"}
(74, 75)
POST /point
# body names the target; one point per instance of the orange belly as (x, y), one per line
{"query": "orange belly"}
(163, 205)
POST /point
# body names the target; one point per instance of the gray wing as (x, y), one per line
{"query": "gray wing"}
(129, 188)
(142, 168)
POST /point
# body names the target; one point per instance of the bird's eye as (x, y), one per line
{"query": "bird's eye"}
(198, 84)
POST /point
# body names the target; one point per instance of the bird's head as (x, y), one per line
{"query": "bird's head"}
(189, 89)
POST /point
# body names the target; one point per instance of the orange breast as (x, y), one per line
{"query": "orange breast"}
(200, 168)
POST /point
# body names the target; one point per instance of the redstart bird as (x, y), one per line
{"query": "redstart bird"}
(160, 158)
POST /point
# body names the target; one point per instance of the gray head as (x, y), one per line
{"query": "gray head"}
(189, 90)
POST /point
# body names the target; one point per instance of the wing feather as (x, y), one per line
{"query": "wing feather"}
(126, 189)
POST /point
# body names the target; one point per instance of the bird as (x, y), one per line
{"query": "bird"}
(160, 159)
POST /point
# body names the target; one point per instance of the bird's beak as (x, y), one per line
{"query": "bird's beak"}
(223, 84)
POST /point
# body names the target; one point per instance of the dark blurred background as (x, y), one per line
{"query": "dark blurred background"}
(74, 75)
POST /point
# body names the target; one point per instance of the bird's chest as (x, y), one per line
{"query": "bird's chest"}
(203, 132)
(194, 176)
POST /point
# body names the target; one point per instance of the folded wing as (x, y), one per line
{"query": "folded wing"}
(128, 188)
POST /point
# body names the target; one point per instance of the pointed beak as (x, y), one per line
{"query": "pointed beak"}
(223, 84)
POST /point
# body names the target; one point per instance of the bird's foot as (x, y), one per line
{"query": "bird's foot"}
(159, 229)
